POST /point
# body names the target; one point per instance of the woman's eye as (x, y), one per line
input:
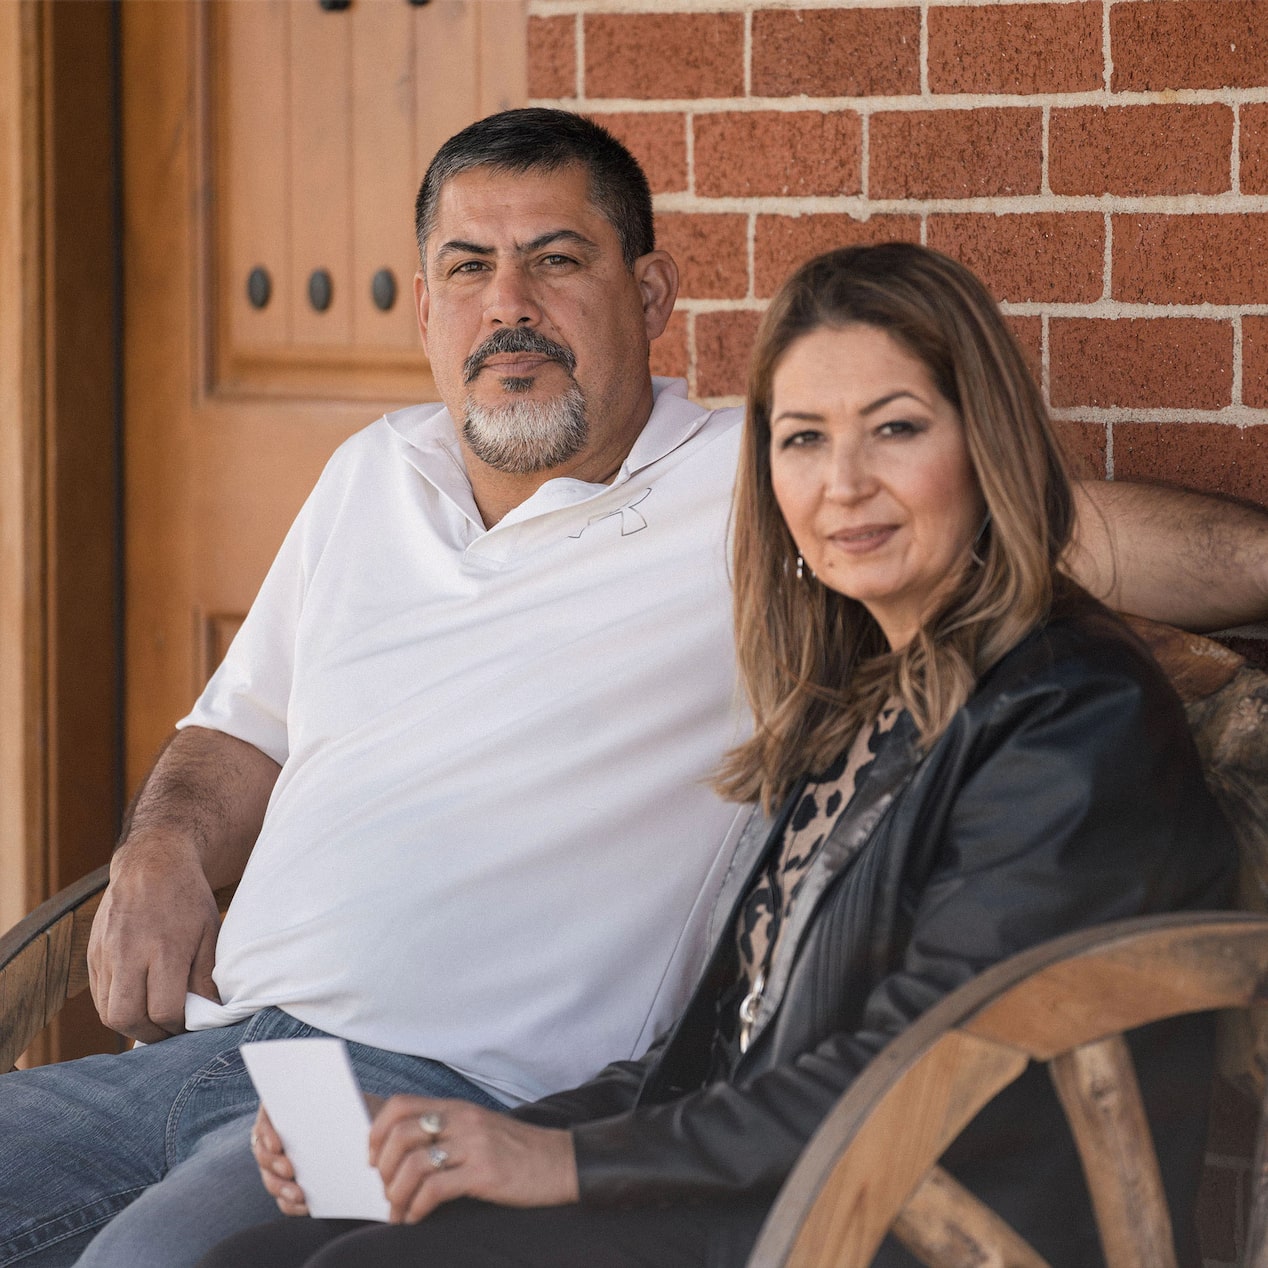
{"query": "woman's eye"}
(798, 439)
(897, 427)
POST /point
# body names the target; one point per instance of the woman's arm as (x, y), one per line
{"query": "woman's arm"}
(1190, 559)
(1084, 805)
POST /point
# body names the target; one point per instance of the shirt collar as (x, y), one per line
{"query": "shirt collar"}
(430, 445)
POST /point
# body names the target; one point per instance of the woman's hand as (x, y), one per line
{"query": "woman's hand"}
(276, 1172)
(431, 1151)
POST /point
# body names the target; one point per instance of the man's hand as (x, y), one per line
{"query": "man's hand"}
(189, 830)
(153, 938)
(430, 1151)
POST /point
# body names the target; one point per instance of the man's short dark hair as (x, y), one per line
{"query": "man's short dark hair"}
(538, 139)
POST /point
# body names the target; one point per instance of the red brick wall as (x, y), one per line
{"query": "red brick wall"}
(1103, 164)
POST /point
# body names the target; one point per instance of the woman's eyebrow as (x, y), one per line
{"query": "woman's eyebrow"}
(886, 400)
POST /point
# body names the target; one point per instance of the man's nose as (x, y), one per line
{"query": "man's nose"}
(511, 301)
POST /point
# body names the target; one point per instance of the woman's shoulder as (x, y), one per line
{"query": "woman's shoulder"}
(1082, 656)
(1080, 636)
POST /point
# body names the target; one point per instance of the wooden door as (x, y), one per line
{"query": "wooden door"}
(271, 154)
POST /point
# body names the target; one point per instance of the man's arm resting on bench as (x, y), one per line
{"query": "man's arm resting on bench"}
(189, 831)
(1190, 559)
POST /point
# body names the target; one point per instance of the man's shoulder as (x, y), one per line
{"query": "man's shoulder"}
(680, 428)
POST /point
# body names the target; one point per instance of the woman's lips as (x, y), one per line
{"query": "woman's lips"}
(862, 540)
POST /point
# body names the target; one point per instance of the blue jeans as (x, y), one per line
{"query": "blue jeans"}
(160, 1134)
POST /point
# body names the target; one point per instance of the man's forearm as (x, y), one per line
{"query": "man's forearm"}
(1186, 558)
(207, 791)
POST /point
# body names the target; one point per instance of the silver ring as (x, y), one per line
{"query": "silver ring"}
(438, 1157)
(255, 1141)
(431, 1123)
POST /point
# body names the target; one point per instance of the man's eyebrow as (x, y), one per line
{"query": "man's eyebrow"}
(557, 235)
(460, 246)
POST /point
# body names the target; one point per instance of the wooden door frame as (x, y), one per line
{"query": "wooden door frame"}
(60, 404)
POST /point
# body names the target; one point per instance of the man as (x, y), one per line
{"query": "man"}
(462, 738)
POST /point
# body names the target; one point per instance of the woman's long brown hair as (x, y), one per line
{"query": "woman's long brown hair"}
(814, 664)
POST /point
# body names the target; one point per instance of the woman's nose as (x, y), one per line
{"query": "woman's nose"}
(849, 476)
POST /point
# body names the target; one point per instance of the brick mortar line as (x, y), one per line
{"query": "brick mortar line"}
(750, 252)
(698, 307)
(1107, 263)
(1235, 164)
(559, 8)
(1045, 358)
(911, 103)
(1240, 417)
(1120, 309)
(865, 159)
(1045, 186)
(579, 55)
(1061, 416)
(1236, 387)
(923, 50)
(1107, 48)
(1094, 310)
(1177, 205)
(689, 156)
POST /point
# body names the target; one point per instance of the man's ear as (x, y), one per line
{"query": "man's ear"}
(422, 304)
(657, 278)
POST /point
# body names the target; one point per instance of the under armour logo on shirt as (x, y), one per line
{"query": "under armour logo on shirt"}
(632, 520)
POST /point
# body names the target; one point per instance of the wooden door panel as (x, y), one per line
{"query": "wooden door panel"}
(385, 170)
(319, 168)
(273, 135)
(253, 211)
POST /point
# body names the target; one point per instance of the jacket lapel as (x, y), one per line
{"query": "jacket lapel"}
(882, 780)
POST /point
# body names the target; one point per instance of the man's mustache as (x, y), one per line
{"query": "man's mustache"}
(516, 339)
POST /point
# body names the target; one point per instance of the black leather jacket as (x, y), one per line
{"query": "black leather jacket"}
(1065, 793)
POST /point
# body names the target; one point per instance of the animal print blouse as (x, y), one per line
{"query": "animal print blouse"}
(764, 912)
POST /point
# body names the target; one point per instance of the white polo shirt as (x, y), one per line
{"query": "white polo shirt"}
(491, 842)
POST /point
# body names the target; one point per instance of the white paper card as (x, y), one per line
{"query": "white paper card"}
(312, 1098)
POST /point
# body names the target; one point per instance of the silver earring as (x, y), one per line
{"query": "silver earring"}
(801, 566)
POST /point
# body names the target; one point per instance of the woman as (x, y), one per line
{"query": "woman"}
(970, 756)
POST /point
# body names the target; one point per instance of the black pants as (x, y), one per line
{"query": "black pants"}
(471, 1234)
